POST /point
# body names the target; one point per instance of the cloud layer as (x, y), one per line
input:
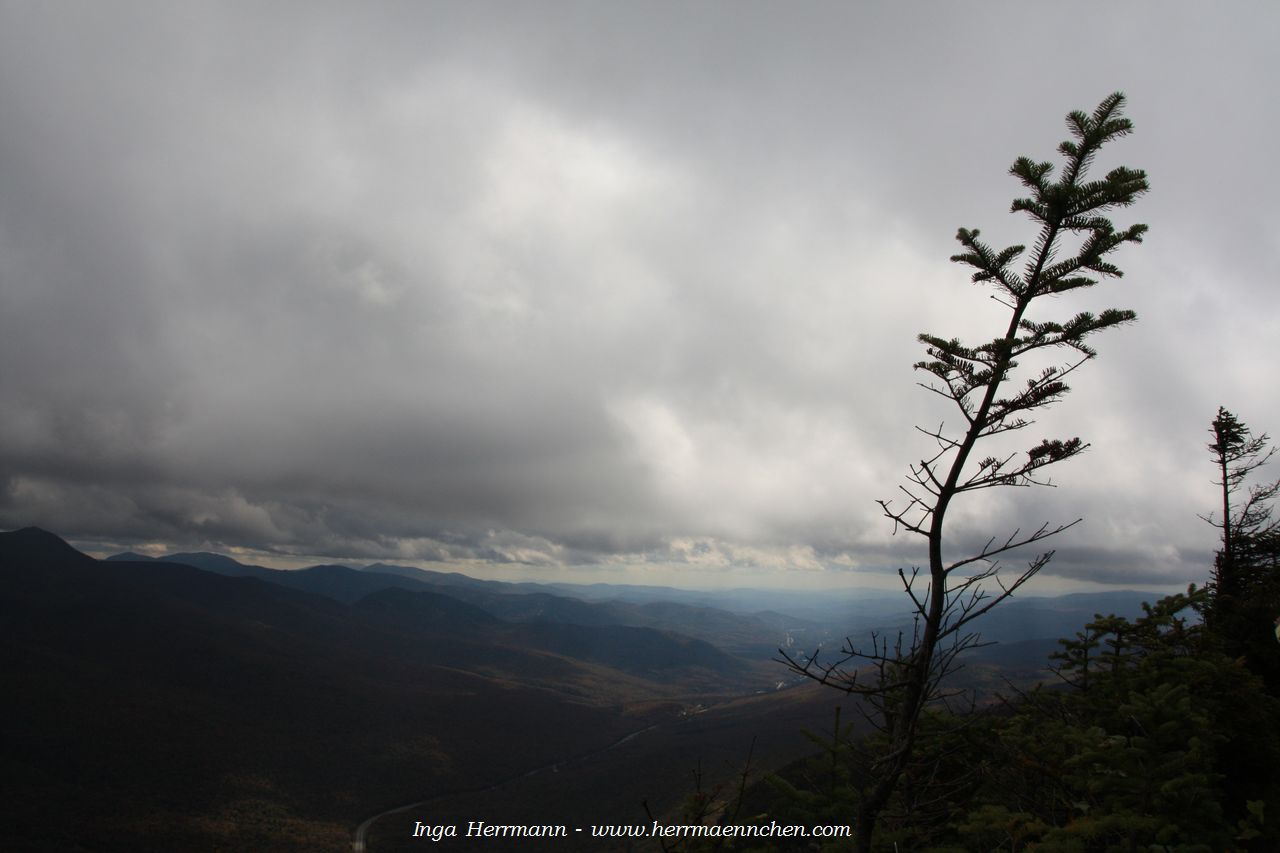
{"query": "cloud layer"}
(602, 286)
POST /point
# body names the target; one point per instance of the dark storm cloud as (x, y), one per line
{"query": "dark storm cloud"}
(596, 284)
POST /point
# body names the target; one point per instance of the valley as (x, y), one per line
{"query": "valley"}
(200, 704)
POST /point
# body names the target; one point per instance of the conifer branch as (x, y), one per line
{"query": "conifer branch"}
(898, 681)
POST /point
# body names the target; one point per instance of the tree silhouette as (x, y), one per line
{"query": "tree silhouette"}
(1248, 530)
(1244, 591)
(898, 679)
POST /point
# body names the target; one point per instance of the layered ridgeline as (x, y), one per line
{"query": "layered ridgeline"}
(155, 705)
(197, 703)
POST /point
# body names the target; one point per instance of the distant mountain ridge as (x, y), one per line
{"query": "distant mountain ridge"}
(517, 602)
(757, 634)
(167, 706)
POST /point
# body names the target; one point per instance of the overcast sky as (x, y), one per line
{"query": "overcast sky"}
(615, 291)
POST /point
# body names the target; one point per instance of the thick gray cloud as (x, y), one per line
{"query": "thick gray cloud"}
(622, 287)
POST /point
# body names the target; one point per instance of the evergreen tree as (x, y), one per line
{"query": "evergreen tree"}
(1244, 592)
(907, 675)
(1173, 748)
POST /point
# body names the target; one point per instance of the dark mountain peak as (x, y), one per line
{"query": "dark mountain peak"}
(33, 545)
(432, 577)
(382, 567)
(208, 561)
(335, 569)
(128, 557)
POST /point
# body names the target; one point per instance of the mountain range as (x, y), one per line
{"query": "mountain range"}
(194, 702)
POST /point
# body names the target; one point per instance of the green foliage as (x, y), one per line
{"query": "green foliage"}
(1156, 742)
(1162, 744)
(994, 827)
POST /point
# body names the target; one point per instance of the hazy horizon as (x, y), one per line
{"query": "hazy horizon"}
(713, 582)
